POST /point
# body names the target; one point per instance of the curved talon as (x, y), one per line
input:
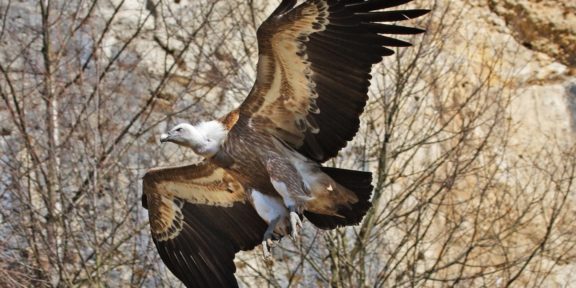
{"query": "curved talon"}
(271, 243)
(266, 250)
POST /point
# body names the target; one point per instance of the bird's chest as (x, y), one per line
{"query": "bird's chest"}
(244, 158)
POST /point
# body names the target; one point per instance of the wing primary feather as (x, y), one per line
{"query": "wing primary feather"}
(391, 16)
(372, 39)
(390, 29)
(396, 29)
(352, 51)
(326, 67)
(346, 57)
(372, 5)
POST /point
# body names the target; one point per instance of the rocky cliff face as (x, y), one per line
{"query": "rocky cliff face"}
(544, 52)
(547, 26)
(536, 41)
(536, 44)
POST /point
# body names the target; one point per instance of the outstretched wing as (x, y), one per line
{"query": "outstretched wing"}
(199, 218)
(314, 69)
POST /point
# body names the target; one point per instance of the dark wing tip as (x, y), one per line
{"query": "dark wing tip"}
(192, 264)
(424, 11)
(202, 254)
(392, 16)
(198, 256)
(372, 5)
(144, 201)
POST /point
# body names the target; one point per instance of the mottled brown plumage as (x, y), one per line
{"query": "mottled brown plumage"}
(262, 168)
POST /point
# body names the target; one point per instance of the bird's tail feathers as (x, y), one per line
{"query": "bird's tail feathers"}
(350, 193)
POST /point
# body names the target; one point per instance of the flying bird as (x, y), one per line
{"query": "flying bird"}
(262, 169)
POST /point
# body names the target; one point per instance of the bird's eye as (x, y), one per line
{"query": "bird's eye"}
(179, 130)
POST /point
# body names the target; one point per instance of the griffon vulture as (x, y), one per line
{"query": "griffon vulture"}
(262, 170)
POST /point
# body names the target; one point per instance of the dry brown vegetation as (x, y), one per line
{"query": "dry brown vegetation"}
(87, 86)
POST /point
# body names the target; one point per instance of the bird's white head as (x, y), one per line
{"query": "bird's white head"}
(204, 138)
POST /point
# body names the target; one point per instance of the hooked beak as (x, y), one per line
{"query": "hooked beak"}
(165, 138)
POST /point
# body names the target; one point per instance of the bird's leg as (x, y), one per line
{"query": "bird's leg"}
(295, 222)
(287, 181)
(267, 242)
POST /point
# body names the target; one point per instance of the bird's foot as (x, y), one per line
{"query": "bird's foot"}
(267, 245)
(268, 240)
(295, 225)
